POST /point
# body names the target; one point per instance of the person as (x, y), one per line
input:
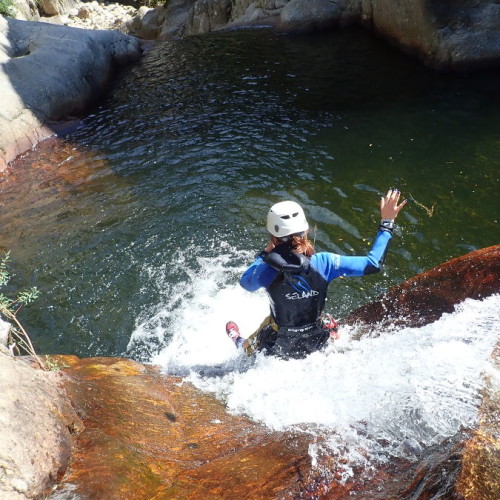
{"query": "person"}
(296, 279)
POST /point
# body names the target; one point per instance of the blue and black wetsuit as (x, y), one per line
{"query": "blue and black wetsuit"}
(297, 287)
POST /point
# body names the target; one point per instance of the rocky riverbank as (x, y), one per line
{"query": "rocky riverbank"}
(98, 16)
(461, 38)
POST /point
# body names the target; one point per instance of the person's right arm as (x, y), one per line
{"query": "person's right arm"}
(258, 275)
(332, 266)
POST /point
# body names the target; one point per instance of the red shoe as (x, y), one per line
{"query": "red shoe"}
(232, 330)
(331, 325)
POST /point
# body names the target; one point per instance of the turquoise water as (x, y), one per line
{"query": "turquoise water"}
(175, 169)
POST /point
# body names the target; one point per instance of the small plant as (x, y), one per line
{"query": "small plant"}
(6, 8)
(52, 364)
(152, 3)
(9, 308)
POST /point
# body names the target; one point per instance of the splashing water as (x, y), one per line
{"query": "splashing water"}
(390, 394)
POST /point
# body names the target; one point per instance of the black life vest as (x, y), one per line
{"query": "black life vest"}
(297, 295)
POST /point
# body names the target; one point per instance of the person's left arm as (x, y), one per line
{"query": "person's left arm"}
(371, 263)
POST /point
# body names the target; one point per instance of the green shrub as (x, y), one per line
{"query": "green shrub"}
(19, 341)
(152, 3)
(6, 7)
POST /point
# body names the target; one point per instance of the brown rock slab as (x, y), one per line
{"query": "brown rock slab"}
(153, 436)
(148, 435)
(426, 297)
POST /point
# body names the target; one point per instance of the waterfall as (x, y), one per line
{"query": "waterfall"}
(390, 394)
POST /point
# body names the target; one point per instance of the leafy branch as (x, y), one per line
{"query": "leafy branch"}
(19, 340)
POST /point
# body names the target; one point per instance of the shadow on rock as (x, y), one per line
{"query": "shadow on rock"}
(48, 72)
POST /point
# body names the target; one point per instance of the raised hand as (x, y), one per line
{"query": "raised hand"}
(389, 208)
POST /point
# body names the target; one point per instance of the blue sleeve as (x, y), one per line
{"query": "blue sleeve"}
(331, 265)
(258, 275)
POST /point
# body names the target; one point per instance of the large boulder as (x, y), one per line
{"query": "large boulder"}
(48, 72)
(308, 14)
(37, 426)
(450, 34)
(149, 24)
(57, 7)
(208, 15)
(27, 10)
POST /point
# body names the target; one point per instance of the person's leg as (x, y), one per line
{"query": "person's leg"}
(266, 339)
(265, 334)
(300, 345)
(252, 344)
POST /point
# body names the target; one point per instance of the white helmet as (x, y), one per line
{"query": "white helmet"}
(286, 218)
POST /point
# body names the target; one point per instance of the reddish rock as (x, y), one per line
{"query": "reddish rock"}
(146, 435)
(480, 467)
(149, 435)
(153, 436)
(424, 298)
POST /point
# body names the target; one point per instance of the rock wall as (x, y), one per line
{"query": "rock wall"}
(40, 82)
(447, 35)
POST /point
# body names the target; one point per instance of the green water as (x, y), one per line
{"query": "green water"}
(182, 159)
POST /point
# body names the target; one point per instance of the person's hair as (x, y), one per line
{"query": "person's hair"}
(301, 244)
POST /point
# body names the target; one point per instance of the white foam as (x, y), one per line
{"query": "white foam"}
(390, 395)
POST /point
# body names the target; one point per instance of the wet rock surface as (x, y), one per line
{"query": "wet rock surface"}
(151, 436)
(136, 433)
(426, 297)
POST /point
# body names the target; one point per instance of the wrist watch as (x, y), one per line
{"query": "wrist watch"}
(387, 225)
